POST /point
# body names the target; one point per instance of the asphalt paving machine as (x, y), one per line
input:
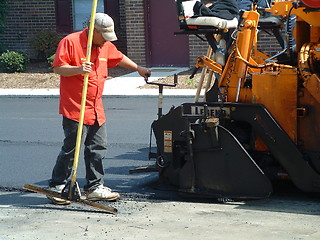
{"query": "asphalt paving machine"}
(260, 120)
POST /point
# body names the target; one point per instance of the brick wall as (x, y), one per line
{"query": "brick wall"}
(26, 18)
(197, 48)
(268, 43)
(135, 27)
(122, 32)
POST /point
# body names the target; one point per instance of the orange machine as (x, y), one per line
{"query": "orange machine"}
(260, 121)
(290, 92)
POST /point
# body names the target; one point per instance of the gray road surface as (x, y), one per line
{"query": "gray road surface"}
(30, 138)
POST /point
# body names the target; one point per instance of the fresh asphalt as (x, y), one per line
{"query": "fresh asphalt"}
(31, 137)
(31, 133)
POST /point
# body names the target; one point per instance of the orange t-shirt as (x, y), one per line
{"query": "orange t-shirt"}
(72, 50)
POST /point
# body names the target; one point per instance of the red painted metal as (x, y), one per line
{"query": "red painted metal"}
(312, 3)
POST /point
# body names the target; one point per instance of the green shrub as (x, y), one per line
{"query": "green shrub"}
(11, 61)
(50, 59)
(46, 42)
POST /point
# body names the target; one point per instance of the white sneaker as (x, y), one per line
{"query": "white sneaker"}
(56, 200)
(102, 193)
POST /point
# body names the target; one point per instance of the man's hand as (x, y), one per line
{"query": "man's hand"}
(86, 67)
(68, 70)
(144, 72)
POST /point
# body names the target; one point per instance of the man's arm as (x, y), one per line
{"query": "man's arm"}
(129, 64)
(68, 70)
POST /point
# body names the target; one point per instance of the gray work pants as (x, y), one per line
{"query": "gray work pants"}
(94, 139)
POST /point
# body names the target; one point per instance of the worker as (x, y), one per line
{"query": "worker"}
(228, 9)
(70, 63)
(225, 9)
(247, 5)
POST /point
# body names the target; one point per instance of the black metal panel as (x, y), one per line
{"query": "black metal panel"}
(208, 162)
(279, 143)
(229, 171)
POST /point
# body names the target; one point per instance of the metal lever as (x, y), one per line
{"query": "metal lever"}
(161, 85)
(175, 82)
(195, 70)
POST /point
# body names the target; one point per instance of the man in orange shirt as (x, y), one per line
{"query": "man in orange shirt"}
(70, 64)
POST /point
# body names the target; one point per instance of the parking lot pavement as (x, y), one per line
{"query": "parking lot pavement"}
(25, 215)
